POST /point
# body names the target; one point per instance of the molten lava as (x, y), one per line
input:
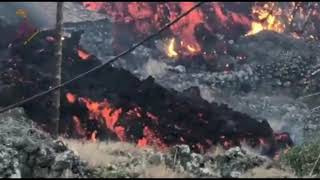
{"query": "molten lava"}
(147, 17)
(71, 98)
(110, 116)
(227, 19)
(83, 55)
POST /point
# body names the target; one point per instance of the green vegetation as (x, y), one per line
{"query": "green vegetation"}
(303, 159)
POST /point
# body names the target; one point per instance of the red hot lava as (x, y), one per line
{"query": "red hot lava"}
(104, 113)
(111, 116)
(232, 20)
(147, 17)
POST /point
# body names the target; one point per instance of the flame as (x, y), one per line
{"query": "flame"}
(215, 17)
(170, 50)
(142, 142)
(267, 20)
(93, 6)
(110, 116)
(255, 28)
(151, 139)
(192, 49)
(104, 110)
(83, 55)
(71, 98)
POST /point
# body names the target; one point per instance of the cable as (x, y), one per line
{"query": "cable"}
(101, 65)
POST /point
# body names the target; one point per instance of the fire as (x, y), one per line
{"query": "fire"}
(255, 28)
(71, 98)
(192, 49)
(267, 20)
(110, 117)
(151, 139)
(210, 19)
(83, 55)
(107, 116)
(93, 6)
(104, 110)
(170, 50)
(142, 142)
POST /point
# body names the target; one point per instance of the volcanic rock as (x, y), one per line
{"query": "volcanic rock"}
(232, 163)
(28, 152)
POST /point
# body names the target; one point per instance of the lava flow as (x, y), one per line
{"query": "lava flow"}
(146, 114)
(111, 116)
(232, 20)
(113, 103)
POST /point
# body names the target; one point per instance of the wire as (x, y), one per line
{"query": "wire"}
(101, 65)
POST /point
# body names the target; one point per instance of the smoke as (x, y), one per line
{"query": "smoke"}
(42, 15)
(283, 113)
(155, 68)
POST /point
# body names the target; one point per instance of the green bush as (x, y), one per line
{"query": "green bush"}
(302, 158)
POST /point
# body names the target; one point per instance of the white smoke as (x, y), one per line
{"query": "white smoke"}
(155, 68)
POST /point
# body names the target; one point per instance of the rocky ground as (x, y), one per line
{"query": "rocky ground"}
(125, 160)
(26, 151)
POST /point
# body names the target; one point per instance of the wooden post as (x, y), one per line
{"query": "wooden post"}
(58, 55)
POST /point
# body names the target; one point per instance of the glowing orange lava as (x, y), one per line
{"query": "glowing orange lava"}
(71, 98)
(83, 55)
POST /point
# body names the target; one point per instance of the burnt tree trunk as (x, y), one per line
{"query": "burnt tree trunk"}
(58, 55)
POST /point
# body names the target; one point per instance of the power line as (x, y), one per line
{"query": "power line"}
(101, 65)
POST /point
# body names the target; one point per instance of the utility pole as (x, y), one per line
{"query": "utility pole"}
(58, 55)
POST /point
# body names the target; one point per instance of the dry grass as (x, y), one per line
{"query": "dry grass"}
(161, 171)
(103, 154)
(215, 151)
(260, 172)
